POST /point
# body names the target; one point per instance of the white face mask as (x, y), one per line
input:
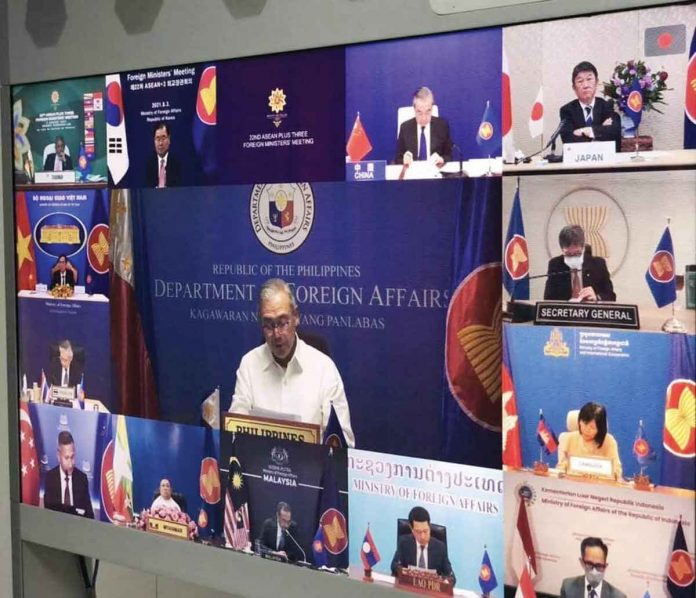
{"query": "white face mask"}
(594, 577)
(574, 262)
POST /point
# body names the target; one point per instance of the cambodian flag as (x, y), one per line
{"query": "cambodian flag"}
(546, 436)
(368, 551)
(690, 99)
(660, 275)
(679, 435)
(634, 103)
(516, 270)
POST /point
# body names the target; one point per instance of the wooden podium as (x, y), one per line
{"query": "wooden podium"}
(271, 428)
(423, 582)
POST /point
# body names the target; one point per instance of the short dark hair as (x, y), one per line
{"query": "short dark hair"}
(597, 413)
(65, 344)
(62, 255)
(573, 234)
(59, 138)
(418, 514)
(583, 67)
(65, 438)
(591, 542)
(283, 506)
(161, 125)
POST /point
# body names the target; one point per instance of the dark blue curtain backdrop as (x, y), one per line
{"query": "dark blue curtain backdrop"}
(632, 387)
(462, 69)
(373, 277)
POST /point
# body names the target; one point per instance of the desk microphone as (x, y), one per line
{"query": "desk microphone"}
(304, 555)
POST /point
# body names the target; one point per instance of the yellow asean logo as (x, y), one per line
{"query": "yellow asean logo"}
(277, 100)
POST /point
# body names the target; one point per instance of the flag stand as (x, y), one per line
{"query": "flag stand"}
(673, 325)
(541, 468)
(637, 157)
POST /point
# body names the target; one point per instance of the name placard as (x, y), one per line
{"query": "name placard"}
(424, 582)
(590, 466)
(593, 153)
(271, 428)
(167, 528)
(50, 176)
(63, 393)
(606, 315)
(367, 170)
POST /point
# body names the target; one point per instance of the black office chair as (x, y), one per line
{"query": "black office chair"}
(436, 531)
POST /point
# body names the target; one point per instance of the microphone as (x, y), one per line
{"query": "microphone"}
(524, 312)
(304, 555)
(461, 159)
(551, 142)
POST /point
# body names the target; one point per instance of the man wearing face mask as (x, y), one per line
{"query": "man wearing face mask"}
(591, 585)
(576, 275)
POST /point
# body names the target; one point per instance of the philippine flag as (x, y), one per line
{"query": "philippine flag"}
(116, 143)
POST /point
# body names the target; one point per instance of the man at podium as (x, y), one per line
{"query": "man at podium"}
(285, 374)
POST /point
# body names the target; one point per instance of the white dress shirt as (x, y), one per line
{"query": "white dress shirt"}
(306, 387)
(598, 589)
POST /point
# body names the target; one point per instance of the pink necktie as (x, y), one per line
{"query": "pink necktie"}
(162, 174)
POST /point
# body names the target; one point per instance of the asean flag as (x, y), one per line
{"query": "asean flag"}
(660, 275)
(634, 103)
(205, 120)
(690, 100)
(680, 570)
(516, 265)
(488, 133)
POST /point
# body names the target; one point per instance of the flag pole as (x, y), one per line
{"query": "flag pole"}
(673, 325)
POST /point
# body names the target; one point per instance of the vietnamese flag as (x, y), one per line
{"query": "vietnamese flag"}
(358, 145)
(26, 258)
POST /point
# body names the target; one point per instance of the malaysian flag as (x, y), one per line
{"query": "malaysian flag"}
(236, 508)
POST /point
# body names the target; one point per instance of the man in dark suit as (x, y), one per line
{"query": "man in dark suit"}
(419, 549)
(63, 273)
(589, 118)
(66, 488)
(279, 534)
(65, 371)
(58, 160)
(425, 135)
(162, 169)
(576, 274)
(593, 560)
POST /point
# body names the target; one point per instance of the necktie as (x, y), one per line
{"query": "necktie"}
(66, 495)
(62, 278)
(421, 558)
(58, 166)
(281, 541)
(422, 149)
(162, 174)
(65, 377)
(576, 283)
(588, 116)
(591, 591)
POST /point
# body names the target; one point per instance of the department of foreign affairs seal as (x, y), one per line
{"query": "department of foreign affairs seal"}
(282, 215)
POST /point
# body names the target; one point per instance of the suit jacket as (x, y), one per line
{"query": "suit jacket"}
(55, 372)
(574, 587)
(269, 532)
(50, 162)
(69, 278)
(440, 141)
(594, 274)
(405, 556)
(152, 171)
(574, 116)
(80, 488)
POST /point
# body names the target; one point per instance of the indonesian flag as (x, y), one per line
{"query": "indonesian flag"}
(509, 147)
(523, 555)
(358, 145)
(26, 258)
(123, 473)
(116, 144)
(536, 116)
(29, 458)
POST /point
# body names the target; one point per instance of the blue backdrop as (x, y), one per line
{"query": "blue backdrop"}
(462, 69)
(387, 301)
(631, 384)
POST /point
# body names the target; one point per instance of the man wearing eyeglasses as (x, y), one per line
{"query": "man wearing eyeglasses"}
(285, 374)
(591, 584)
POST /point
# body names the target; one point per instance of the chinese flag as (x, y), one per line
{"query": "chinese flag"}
(358, 145)
(26, 259)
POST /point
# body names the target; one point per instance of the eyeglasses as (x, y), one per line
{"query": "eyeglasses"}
(591, 565)
(270, 326)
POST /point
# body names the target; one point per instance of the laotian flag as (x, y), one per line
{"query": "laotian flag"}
(546, 436)
(641, 448)
(29, 464)
(512, 447)
(358, 145)
(210, 490)
(660, 275)
(536, 115)
(471, 405)
(98, 248)
(487, 579)
(116, 142)
(509, 147)
(516, 270)
(368, 551)
(690, 99)
(205, 121)
(679, 435)
(488, 133)
(680, 571)
(634, 103)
